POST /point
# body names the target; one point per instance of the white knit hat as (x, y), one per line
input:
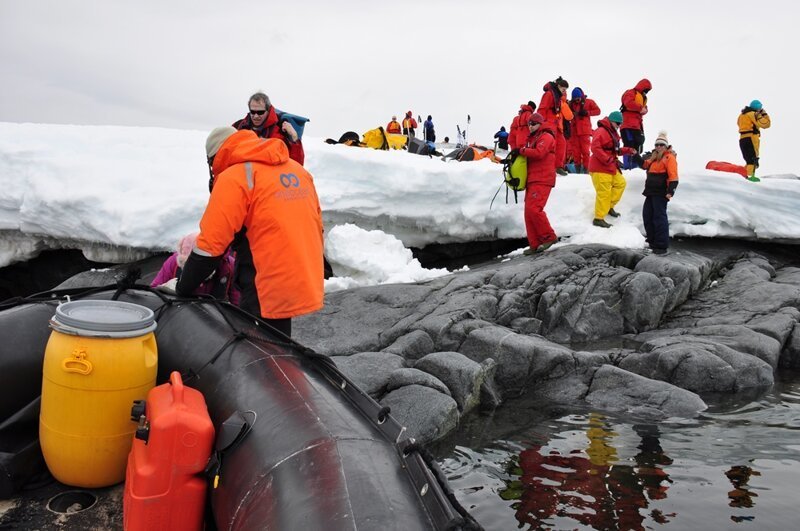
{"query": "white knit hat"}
(216, 138)
(662, 138)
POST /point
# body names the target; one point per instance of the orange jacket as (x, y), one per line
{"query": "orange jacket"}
(662, 174)
(393, 127)
(269, 203)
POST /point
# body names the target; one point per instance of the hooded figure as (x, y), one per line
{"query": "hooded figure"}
(540, 152)
(409, 125)
(265, 206)
(555, 110)
(634, 107)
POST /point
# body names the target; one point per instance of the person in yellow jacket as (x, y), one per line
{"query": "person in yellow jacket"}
(752, 119)
(659, 188)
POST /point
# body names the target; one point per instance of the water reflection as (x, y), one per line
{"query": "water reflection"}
(534, 465)
(591, 486)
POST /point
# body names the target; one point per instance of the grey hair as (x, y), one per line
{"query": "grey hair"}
(260, 97)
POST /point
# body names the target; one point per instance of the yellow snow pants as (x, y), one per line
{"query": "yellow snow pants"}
(609, 190)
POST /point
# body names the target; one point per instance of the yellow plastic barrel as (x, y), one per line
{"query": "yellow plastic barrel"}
(101, 356)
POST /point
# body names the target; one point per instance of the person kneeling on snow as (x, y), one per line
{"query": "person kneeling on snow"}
(540, 150)
(265, 206)
(659, 187)
(604, 168)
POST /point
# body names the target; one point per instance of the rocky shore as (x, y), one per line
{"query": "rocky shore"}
(617, 329)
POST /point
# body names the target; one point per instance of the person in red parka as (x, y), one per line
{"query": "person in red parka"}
(608, 181)
(539, 149)
(263, 120)
(634, 106)
(409, 125)
(518, 133)
(393, 126)
(555, 110)
(581, 135)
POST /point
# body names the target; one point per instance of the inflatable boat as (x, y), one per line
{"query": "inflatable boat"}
(300, 446)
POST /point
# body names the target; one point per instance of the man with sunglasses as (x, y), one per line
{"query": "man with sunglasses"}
(263, 120)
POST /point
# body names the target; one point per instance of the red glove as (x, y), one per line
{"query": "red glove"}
(627, 151)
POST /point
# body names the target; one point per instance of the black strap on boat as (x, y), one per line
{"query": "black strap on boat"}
(231, 433)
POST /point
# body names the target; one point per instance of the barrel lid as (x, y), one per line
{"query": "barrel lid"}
(101, 317)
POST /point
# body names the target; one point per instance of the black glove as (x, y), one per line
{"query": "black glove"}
(646, 155)
(583, 113)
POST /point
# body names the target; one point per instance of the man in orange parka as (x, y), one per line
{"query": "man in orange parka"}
(555, 110)
(393, 126)
(634, 107)
(266, 206)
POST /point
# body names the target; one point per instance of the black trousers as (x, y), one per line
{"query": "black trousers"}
(656, 222)
(748, 151)
(631, 138)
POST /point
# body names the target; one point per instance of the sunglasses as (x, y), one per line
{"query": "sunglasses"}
(257, 113)
(661, 145)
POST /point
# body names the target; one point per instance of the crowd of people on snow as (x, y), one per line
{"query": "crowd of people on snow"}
(558, 135)
(260, 244)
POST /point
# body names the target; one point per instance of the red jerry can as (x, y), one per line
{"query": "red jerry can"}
(165, 487)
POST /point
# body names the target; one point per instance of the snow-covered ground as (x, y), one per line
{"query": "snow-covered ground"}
(120, 192)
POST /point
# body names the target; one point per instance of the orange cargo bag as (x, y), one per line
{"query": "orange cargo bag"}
(165, 484)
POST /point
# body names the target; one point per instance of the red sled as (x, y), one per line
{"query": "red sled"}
(165, 487)
(728, 167)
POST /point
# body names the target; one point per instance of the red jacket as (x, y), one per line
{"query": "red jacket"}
(634, 105)
(605, 149)
(582, 125)
(271, 129)
(518, 133)
(554, 110)
(540, 150)
(393, 127)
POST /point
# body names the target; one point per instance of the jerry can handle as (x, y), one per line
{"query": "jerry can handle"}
(77, 363)
(177, 386)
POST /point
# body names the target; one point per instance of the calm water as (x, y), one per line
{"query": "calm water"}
(530, 466)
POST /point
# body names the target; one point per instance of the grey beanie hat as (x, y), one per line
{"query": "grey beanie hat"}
(216, 138)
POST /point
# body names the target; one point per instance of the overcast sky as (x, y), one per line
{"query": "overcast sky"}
(351, 65)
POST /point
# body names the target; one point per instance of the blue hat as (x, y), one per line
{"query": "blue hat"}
(756, 105)
(577, 93)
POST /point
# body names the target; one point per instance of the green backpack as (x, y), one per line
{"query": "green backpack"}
(515, 175)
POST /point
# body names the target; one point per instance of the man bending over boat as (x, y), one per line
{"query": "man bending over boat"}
(265, 205)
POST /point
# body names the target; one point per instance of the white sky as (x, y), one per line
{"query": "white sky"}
(351, 65)
(116, 191)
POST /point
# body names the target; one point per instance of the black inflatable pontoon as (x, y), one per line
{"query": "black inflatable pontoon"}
(301, 446)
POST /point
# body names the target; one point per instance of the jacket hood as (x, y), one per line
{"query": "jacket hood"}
(525, 107)
(605, 122)
(547, 126)
(643, 85)
(246, 146)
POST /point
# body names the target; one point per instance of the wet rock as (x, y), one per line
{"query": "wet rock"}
(403, 377)
(370, 370)
(427, 414)
(615, 389)
(460, 374)
(790, 357)
(698, 365)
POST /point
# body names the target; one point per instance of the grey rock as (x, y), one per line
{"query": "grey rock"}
(409, 376)
(428, 415)
(615, 389)
(790, 357)
(698, 365)
(369, 370)
(520, 359)
(460, 374)
(412, 346)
